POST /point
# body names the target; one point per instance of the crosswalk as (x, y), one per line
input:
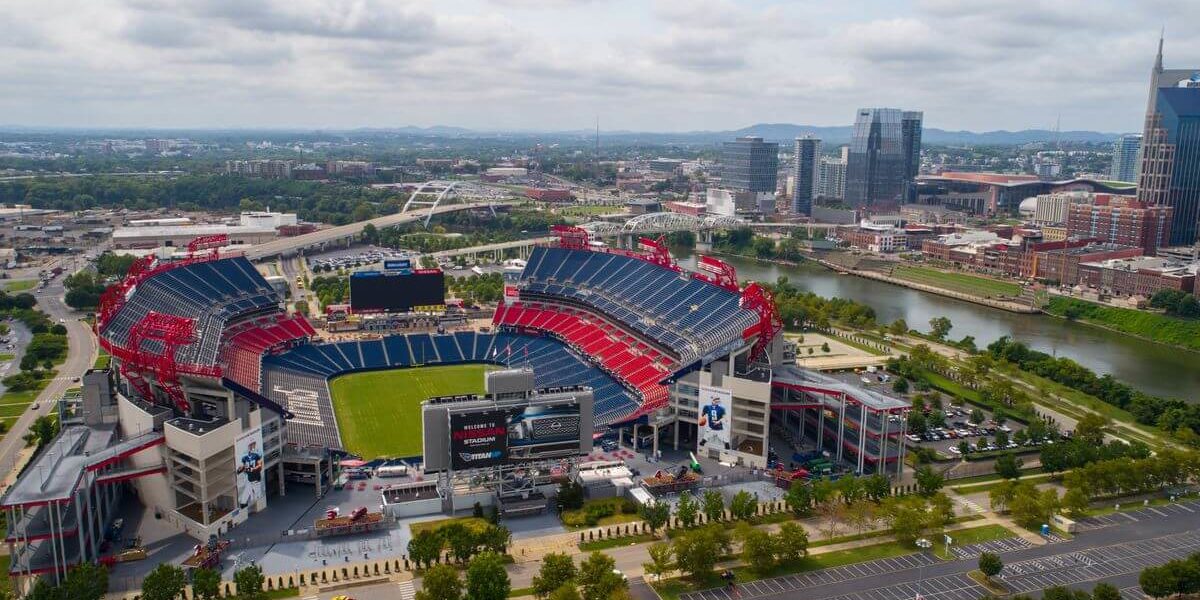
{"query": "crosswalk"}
(407, 590)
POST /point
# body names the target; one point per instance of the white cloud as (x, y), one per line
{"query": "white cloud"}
(556, 64)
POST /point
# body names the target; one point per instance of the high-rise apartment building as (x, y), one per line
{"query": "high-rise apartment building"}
(885, 155)
(831, 181)
(805, 172)
(1126, 151)
(749, 164)
(1170, 164)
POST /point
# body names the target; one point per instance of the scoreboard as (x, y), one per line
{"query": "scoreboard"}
(397, 291)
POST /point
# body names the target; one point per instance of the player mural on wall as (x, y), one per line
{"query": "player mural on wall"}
(713, 423)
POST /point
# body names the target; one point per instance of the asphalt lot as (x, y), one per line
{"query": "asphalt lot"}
(1115, 554)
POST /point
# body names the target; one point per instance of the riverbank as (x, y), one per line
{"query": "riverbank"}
(1152, 327)
(1014, 307)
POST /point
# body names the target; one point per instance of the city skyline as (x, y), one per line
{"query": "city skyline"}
(555, 65)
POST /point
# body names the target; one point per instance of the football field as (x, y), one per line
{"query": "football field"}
(379, 412)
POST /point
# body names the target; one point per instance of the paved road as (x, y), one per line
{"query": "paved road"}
(290, 245)
(1114, 554)
(81, 355)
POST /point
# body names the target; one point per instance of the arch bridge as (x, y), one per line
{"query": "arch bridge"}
(443, 193)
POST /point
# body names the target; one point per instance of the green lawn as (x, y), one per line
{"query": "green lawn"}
(472, 523)
(1156, 327)
(974, 535)
(102, 360)
(5, 357)
(379, 412)
(628, 540)
(20, 286)
(957, 282)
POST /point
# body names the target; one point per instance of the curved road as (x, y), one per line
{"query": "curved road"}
(81, 355)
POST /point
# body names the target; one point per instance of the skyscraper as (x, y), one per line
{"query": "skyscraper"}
(885, 154)
(831, 183)
(1125, 157)
(1170, 164)
(749, 164)
(804, 170)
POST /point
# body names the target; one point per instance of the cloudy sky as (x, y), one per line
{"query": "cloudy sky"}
(656, 65)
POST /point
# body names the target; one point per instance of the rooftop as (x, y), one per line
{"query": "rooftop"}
(188, 230)
(793, 375)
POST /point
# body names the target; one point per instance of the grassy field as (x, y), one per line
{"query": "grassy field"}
(1155, 327)
(957, 282)
(379, 412)
(23, 285)
(472, 523)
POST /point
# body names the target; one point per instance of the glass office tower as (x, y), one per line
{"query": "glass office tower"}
(885, 154)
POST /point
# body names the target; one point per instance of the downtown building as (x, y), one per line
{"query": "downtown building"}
(749, 172)
(1170, 163)
(806, 173)
(884, 157)
(1126, 151)
(831, 178)
(1122, 220)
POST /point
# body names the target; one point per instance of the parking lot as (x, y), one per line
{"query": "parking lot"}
(1097, 563)
(1134, 516)
(779, 585)
(994, 546)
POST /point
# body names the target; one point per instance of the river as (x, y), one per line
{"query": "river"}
(1153, 368)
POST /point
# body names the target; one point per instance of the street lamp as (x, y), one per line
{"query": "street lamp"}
(924, 544)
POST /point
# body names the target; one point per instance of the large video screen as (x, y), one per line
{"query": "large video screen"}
(488, 437)
(376, 291)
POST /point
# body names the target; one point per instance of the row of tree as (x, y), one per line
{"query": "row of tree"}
(457, 541)
(1176, 577)
(595, 578)
(1171, 415)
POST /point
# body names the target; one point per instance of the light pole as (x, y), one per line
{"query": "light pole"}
(924, 544)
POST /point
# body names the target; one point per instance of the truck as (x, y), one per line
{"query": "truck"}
(359, 521)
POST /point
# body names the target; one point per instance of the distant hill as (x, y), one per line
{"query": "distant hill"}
(786, 132)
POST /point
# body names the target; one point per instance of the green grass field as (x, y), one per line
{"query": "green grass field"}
(957, 282)
(23, 285)
(379, 413)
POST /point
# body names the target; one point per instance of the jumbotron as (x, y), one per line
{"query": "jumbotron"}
(217, 399)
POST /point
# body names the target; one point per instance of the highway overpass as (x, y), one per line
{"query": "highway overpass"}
(346, 233)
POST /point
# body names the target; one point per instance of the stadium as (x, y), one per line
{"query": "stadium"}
(219, 400)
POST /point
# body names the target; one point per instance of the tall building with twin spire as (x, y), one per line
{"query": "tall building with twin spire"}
(1170, 157)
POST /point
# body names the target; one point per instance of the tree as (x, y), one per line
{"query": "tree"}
(1002, 494)
(494, 537)
(714, 505)
(486, 578)
(941, 509)
(898, 327)
(570, 495)
(1075, 501)
(1091, 429)
(249, 582)
(758, 549)
(1105, 591)
(907, 517)
(743, 506)
(976, 417)
(662, 560)
(877, 487)
(206, 584)
(460, 541)
(697, 551)
(441, 582)
(939, 327)
(425, 547)
(556, 571)
(1157, 582)
(686, 509)
(791, 542)
(566, 592)
(598, 578)
(900, 386)
(165, 582)
(42, 590)
(1008, 466)
(990, 564)
(928, 480)
(799, 498)
(655, 515)
(88, 581)
(860, 515)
